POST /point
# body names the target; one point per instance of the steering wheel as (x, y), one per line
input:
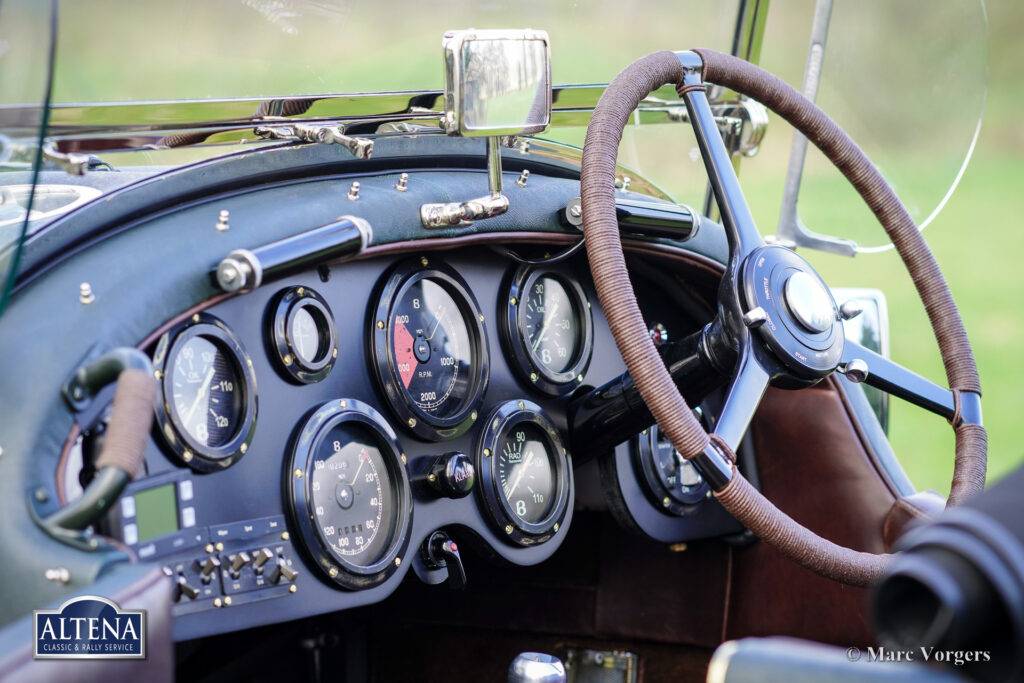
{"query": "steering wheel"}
(777, 321)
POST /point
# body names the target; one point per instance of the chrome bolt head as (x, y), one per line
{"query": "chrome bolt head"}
(85, 295)
(521, 180)
(353, 192)
(851, 309)
(403, 183)
(855, 370)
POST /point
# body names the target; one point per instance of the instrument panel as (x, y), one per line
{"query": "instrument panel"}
(314, 436)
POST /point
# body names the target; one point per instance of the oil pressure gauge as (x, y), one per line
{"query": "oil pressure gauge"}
(207, 407)
(548, 329)
(524, 473)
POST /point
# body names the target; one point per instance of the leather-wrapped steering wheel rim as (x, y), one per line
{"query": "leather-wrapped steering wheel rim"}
(755, 365)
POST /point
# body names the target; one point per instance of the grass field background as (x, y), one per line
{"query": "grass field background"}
(976, 239)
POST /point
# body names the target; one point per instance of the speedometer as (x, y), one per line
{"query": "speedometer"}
(428, 342)
(350, 493)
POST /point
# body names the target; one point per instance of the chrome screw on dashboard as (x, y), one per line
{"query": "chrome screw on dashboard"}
(523, 177)
(353, 192)
(403, 182)
(851, 309)
(222, 221)
(856, 370)
(85, 295)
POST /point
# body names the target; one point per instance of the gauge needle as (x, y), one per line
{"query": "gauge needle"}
(360, 468)
(199, 395)
(544, 326)
(440, 316)
(522, 471)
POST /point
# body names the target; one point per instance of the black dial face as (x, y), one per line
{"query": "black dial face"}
(549, 321)
(526, 472)
(352, 494)
(206, 391)
(307, 340)
(678, 476)
(432, 350)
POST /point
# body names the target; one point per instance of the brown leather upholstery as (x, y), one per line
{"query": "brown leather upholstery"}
(909, 511)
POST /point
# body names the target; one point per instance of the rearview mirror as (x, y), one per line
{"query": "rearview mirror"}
(497, 82)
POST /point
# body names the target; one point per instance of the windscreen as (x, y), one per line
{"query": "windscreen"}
(26, 41)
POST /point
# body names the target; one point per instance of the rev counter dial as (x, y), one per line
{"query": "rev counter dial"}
(350, 493)
(429, 349)
(548, 329)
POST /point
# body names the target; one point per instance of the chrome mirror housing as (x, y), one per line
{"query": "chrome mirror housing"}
(497, 82)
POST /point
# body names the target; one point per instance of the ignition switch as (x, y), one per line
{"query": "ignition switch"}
(440, 552)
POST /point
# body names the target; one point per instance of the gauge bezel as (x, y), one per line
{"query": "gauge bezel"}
(200, 457)
(526, 365)
(642, 449)
(333, 569)
(280, 344)
(503, 418)
(381, 327)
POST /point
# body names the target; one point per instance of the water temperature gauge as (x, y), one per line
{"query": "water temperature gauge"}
(524, 473)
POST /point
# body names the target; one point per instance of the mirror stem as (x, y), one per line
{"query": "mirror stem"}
(494, 165)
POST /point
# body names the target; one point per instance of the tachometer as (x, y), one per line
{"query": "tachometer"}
(548, 329)
(525, 478)
(430, 351)
(207, 411)
(350, 493)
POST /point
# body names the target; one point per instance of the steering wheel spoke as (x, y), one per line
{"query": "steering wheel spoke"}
(743, 398)
(861, 364)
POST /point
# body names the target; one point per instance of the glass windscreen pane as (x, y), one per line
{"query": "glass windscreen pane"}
(25, 40)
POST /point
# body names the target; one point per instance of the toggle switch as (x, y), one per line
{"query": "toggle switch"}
(441, 552)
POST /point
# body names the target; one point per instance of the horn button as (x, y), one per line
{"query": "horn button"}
(802, 325)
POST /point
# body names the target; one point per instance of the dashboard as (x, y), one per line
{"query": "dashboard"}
(322, 437)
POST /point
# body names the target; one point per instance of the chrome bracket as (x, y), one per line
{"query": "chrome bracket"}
(72, 163)
(361, 148)
(461, 214)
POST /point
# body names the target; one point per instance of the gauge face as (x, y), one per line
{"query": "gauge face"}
(207, 408)
(305, 333)
(301, 336)
(352, 494)
(548, 329)
(525, 479)
(550, 324)
(432, 348)
(429, 348)
(207, 393)
(671, 481)
(680, 478)
(526, 472)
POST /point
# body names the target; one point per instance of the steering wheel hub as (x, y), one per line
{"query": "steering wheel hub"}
(801, 324)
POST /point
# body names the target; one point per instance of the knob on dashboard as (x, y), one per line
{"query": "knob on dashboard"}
(452, 475)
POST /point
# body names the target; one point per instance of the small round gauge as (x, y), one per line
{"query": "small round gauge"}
(208, 389)
(671, 481)
(350, 493)
(429, 347)
(301, 335)
(524, 473)
(548, 329)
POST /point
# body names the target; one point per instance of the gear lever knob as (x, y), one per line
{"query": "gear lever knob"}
(536, 667)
